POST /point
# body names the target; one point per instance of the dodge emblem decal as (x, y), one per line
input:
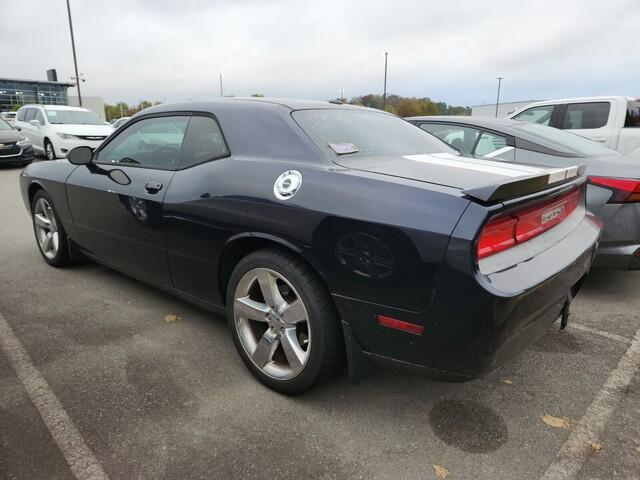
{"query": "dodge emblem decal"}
(287, 184)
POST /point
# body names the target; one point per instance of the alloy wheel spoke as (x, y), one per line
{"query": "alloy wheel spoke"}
(250, 309)
(269, 288)
(42, 221)
(294, 312)
(46, 244)
(267, 345)
(292, 350)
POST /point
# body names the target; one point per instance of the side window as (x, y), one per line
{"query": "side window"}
(20, 115)
(202, 142)
(541, 115)
(39, 116)
(586, 115)
(488, 143)
(633, 114)
(461, 138)
(30, 115)
(152, 143)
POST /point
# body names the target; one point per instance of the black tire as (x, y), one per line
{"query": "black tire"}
(326, 349)
(49, 151)
(61, 257)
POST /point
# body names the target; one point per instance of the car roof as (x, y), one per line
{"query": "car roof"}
(485, 122)
(253, 102)
(55, 107)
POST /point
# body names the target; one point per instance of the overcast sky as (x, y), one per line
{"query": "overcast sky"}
(450, 51)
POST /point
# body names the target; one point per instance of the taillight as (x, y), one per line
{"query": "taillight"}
(624, 190)
(505, 231)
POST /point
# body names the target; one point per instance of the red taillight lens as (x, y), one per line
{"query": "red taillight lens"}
(624, 190)
(497, 235)
(504, 232)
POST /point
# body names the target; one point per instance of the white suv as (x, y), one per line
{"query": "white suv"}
(55, 129)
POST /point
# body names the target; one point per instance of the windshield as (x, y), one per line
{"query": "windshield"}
(361, 132)
(73, 117)
(567, 142)
(4, 125)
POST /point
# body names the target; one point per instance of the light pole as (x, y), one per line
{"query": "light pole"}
(73, 48)
(498, 96)
(384, 93)
(221, 91)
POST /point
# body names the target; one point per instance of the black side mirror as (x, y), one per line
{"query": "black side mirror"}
(80, 155)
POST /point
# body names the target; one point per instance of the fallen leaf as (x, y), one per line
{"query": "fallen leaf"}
(595, 447)
(441, 472)
(638, 449)
(556, 422)
(171, 318)
(507, 381)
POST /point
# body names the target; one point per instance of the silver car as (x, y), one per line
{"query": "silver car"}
(614, 179)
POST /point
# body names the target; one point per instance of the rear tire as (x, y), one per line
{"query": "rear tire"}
(50, 235)
(288, 337)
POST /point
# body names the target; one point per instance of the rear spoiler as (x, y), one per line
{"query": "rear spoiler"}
(527, 184)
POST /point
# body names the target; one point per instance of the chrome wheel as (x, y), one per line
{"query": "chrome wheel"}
(272, 323)
(51, 154)
(46, 228)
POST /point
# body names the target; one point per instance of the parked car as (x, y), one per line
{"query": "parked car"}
(611, 121)
(614, 179)
(320, 229)
(9, 117)
(55, 129)
(119, 122)
(14, 147)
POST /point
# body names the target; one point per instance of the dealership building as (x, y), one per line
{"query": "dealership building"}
(19, 91)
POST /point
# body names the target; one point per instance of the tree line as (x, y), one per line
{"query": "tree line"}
(408, 106)
(401, 106)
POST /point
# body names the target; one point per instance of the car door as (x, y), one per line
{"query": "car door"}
(592, 120)
(117, 201)
(29, 130)
(38, 131)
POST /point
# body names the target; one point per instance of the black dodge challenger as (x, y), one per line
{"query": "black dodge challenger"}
(324, 231)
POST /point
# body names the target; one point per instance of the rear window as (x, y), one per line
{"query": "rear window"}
(633, 114)
(363, 132)
(586, 115)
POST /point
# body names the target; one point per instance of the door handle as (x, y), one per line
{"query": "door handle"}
(599, 139)
(152, 187)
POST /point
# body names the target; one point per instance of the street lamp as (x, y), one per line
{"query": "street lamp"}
(73, 48)
(384, 93)
(498, 96)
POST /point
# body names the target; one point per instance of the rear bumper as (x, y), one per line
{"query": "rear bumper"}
(475, 324)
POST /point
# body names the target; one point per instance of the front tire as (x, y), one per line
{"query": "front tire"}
(49, 151)
(50, 235)
(283, 321)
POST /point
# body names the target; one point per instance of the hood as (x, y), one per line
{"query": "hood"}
(98, 130)
(484, 180)
(10, 136)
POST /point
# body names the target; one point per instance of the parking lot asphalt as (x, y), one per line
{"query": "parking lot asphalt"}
(155, 399)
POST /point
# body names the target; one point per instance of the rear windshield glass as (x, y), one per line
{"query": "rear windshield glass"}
(567, 142)
(73, 117)
(362, 132)
(633, 114)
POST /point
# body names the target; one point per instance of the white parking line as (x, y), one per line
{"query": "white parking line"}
(575, 450)
(79, 457)
(602, 333)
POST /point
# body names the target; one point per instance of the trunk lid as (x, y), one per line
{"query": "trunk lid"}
(483, 180)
